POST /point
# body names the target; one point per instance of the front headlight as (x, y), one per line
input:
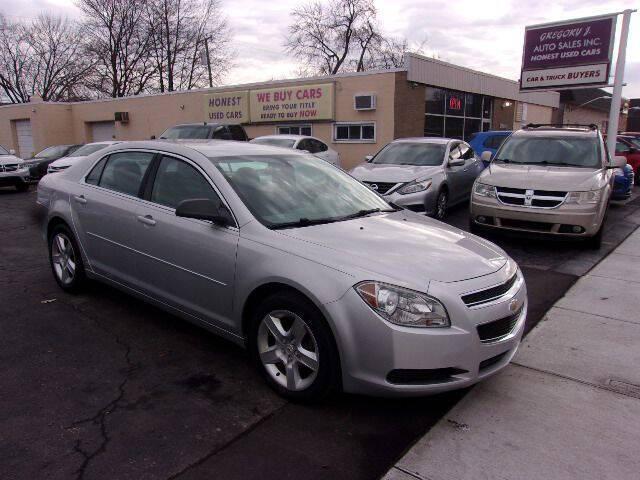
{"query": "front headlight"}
(402, 306)
(484, 190)
(23, 168)
(415, 187)
(582, 198)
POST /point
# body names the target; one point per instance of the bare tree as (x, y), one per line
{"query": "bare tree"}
(327, 36)
(179, 30)
(42, 57)
(119, 40)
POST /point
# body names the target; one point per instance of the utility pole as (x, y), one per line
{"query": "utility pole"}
(614, 113)
(206, 48)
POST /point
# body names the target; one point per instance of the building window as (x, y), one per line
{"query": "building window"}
(354, 132)
(454, 114)
(294, 130)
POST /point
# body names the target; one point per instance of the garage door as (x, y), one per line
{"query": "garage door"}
(102, 131)
(25, 138)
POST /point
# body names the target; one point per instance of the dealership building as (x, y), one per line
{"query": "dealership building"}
(354, 113)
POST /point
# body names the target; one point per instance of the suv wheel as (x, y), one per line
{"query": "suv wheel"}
(65, 259)
(293, 348)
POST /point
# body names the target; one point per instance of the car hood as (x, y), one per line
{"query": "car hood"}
(9, 159)
(372, 172)
(542, 177)
(407, 248)
(67, 161)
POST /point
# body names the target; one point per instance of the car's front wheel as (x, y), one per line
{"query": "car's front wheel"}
(442, 203)
(65, 259)
(293, 347)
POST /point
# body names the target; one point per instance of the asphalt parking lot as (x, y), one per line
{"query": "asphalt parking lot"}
(103, 386)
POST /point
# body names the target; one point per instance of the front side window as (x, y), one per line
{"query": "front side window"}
(297, 190)
(407, 153)
(362, 132)
(177, 181)
(124, 171)
(553, 150)
(237, 133)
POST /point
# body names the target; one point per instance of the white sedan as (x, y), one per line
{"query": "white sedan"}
(301, 142)
(77, 155)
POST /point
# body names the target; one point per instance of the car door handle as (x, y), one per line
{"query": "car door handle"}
(80, 199)
(147, 220)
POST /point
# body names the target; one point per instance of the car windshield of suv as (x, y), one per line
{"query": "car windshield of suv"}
(3, 151)
(88, 149)
(297, 191)
(405, 153)
(276, 142)
(52, 152)
(556, 151)
(187, 132)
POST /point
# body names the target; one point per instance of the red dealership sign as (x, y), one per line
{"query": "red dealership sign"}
(568, 54)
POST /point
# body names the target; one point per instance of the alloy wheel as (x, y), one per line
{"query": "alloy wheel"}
(288, 350)
(441, 207)
(63, 258)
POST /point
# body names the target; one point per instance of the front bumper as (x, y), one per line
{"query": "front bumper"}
(11, 179)
(557, 221)
(372, 348)
(421, 202)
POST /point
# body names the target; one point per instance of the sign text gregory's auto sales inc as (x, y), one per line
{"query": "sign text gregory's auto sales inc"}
(291, 103)
(566, 54)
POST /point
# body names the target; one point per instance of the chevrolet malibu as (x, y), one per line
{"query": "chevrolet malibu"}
(326, 284)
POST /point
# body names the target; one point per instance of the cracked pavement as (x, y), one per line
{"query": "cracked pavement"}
(103, 386)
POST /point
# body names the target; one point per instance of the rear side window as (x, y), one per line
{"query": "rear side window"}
(177, 181)
(94, 175)
(318, 146)
(124, 171)
(237, 133)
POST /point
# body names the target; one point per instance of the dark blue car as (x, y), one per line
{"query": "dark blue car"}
(491, 141)
(622, 183)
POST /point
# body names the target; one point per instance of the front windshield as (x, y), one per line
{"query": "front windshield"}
(276, 142)
(3, 151)
(88, 149)
(634, 141)
(556, 151)
(405, 153)
(287, 190)
(186, 132)
(52, 152)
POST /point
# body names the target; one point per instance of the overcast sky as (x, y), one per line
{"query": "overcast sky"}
(486, 36)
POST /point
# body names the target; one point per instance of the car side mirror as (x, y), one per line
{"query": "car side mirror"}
(618, 162)
(152, 137)
(205, 209)
(368, 158)
(12, 152)
(486, 156)
(456, 162)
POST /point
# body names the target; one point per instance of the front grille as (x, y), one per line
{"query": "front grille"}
(490, 362)
(10, 167)
(526, 225)
(380, 187)
(490, 294)
(424, 376)
(492, 331)
(530, 198)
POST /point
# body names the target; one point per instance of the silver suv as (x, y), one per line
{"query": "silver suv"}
(551, 179)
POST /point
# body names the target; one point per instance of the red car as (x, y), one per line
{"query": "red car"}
(629, 146)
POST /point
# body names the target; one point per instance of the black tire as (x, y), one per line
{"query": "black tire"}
(441, 210)
(636, 178)
(327, 377)
(474, 228)
(595, 242)
(78, 280)
(22, 187)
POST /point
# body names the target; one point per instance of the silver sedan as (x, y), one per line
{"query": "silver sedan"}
(326, 284)
(426, 175)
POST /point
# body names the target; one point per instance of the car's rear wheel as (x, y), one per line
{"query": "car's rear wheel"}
(65, 259)
(442, 203)
(293, 347)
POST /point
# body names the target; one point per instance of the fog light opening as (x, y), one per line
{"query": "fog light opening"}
(481, 219)
(577, 229)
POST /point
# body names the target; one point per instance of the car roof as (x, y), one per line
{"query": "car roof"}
(285, 136)
(495, 132)
(438, 140)
(196, 124)
(555, 132)
(215, 148)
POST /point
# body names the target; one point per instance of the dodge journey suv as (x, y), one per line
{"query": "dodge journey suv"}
(554, 180)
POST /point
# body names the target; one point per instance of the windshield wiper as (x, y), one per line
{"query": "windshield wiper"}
(305, 222)
(505, 160)
(361, 213)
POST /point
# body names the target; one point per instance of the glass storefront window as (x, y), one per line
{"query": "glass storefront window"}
(471, 126)
(434, 100)
(454, 127)
(455, 103)
(474, 105)
(486, 107)
(434, 126)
